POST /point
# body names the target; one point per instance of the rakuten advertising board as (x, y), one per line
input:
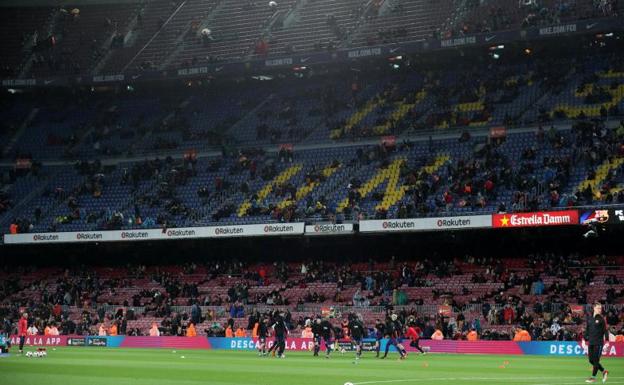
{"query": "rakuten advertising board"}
(426, 224)
(329, 229)
(159, 234)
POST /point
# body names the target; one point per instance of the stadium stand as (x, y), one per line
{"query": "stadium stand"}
(161, 34)
(236, 31)
(328, 22)
(82, 35)
(146, 25)
(531, 170)
(411, 21)
(507, 14)
(22, 29)
(467, 130)
(538, 293)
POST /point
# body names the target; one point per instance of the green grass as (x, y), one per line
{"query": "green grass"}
(101, 366)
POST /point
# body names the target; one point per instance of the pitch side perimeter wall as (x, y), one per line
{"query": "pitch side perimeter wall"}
(543, 348)
(495, 221)
(554, 348)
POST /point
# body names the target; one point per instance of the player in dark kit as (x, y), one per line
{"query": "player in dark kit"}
(7, 329)
(281, 331)
(597, 336)
(356, 327)
(394, 330)
(263, 331)
(327, 333)
(317, 332)
(380, 329)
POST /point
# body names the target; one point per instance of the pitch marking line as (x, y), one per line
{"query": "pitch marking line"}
(512, 379)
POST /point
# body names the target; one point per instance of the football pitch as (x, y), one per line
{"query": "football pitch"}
(101, 366)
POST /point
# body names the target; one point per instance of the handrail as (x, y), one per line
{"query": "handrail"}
(154, 36)
(339, 310)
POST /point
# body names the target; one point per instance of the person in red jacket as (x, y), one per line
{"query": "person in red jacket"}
(22, 327)
(508, 314)
(413, 333)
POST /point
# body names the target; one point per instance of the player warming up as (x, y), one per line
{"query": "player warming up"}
(263, 331)
(356, 327)
(394, 330)
(317, 332)
(22, 328)
(413, 333)
(281, 331)
(380, 328)
(327, 333)
(597, 336)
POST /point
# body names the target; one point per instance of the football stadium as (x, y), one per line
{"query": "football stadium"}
(311, 192)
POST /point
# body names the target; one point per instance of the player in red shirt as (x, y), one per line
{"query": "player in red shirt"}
(22, 327)
(413, 333)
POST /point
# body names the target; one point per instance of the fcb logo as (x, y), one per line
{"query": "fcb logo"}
(596, 216)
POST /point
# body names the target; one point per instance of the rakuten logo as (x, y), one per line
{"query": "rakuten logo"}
(453, 223)
(88, 236)
(134, 235)
(229, 230)
(278, 229)
(180, 233)
(330, 228)
(44, 238)
(398, 225)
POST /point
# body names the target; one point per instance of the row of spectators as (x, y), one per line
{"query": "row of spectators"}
(488, 16)
(473, 182)
(69, 303)
(451, 326)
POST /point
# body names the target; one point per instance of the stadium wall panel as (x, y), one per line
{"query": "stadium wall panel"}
(543, 348)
